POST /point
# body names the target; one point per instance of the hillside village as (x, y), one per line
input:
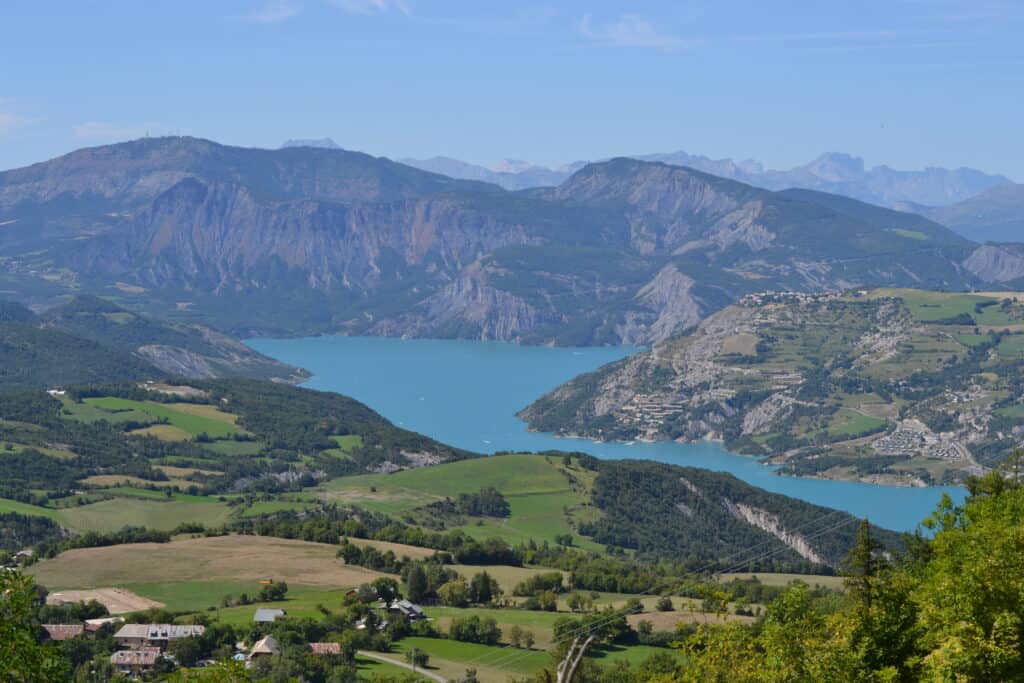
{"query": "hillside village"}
(892, 386)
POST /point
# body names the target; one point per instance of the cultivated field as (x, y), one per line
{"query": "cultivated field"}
(221, 558)
(116, 600)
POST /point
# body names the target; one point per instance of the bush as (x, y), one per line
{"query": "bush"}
(475, 629)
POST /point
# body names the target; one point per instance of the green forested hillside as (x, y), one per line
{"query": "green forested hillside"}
(89, 340)
(669, 512)
(35, 356)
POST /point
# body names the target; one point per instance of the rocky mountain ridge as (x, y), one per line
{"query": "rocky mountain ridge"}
(307, 240)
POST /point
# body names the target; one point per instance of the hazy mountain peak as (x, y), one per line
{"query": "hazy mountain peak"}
(514, 166)
(837, 166)
(323, 143)
(833, 172)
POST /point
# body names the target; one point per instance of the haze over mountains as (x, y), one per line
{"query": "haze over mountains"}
(306, 239)
(833, 172)
(995, 215)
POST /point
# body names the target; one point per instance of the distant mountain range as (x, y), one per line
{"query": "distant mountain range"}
(306, 239)
(832, 172)
(995, 215)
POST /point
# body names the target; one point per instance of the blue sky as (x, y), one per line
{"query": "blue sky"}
(909, 83)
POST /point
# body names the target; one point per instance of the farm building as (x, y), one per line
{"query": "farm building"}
(404, 608)
(136, 636)
(265, 615)
(265, 647)
(63, 631)
(134, 662)
(93, 625)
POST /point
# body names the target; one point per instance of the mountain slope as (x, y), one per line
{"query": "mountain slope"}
(902, 386)
(996, 215)
(307, 240)
(89, 340)
(33, 356)
(178, 349)
(667, 511)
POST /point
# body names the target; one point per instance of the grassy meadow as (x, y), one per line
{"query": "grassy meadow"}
(538, 489)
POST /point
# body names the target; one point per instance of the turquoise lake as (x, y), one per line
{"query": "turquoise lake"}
(466, 393)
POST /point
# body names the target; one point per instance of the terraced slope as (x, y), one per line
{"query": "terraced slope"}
(901, 386)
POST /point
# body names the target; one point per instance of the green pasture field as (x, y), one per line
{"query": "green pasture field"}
(302, 601)
(262, 507)
(232, 447)
(541, 517)
(158, 512)
(184, 416)
(847, 422)
(928, 306)
(149, 494)
(970, 339)
(86, 412)
(535, 486)
(493, 662)
(369, 668)
(57, 453)
(27, 509)
(346, 444)
(634, 654)
(1011, 346)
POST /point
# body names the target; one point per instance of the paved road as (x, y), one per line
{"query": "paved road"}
(405, 665)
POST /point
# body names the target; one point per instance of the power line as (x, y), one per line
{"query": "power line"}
(667, 587)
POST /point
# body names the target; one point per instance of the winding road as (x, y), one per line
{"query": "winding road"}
(405, 665)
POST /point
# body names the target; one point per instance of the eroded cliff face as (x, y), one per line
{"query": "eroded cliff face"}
(996, 262)
(766, 521)
(306, 240)
(221, 236)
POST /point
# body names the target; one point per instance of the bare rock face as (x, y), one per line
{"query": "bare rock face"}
(308, 240)
(996, 262)
(670, 293)
(177, 362)
(766, 521)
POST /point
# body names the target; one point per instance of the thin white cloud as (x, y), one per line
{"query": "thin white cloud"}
(373, 6)
(100, 130)
(274, 12)
(9, 118)
(629, 31)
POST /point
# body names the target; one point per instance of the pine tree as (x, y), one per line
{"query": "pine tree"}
(417, 583)
(862, 565)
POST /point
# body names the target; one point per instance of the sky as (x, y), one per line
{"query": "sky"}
(908, 83)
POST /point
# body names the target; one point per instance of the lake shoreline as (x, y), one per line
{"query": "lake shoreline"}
(467, 394)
